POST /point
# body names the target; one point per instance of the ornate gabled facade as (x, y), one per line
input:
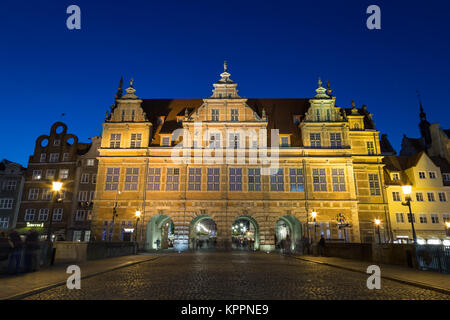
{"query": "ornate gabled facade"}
(271, 162)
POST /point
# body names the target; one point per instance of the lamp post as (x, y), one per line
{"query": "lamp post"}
(138, 215)
(56, 187)
(377, 224)
(407, 192)
(447, 228)
(314, 215)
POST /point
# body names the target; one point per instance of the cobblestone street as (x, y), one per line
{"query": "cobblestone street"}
(233, 276)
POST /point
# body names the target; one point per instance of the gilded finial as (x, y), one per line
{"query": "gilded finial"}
(225, 66)
(320, 83)
(328, 88)
(131, 82)
(353, 103)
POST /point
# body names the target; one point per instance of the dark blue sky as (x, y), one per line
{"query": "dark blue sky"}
(175, 49)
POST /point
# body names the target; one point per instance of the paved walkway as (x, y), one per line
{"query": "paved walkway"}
(16, 287)
(424, 279)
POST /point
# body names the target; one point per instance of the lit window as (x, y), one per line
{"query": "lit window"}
(63, 174)
(254, 179)
(114, 141)
(214, 140)
(296, 179)
(338, 178)
(136, 139)
(319, 180)
(315, 140)
(195, 179)
(277, 180)
(335, 140)
(374, 185)
(235, 179)
(50, 174)
(154, 179)
(284, 141)
(213, 179)
(46, 194)
(173, 179)
(4, 222)
(131, 179)
(37, 174)
(29, 214)
(112, 179)
(90, 162)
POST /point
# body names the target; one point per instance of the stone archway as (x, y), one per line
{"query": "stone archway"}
(202, 233)
(160, 232)
(288, 226)
(247, 228)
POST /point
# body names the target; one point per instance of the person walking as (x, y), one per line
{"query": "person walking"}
(287, 245)
(158, 242)
(16, 254)
(321, 245)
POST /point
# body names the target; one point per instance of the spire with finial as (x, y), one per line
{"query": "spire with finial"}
(119, 89)
(422, 114)
(130, 91)
(225, 66)
(321, 91)
(354, 110)
(328, 88)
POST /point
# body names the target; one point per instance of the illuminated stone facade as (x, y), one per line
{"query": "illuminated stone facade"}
(330, 161)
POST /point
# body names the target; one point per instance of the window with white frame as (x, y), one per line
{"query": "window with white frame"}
(419, 196)
(284, 141)
(399, 217)
(432, 174)
(43, 157)
(213, 179)
(370, 147)
(29, 214)
(10, 185)
(83, 196)
(423, 218)
(442, 197)
(33, 194)
(4, 222)
(90, 162)
(234, 114)
(66, 157)
(422, 175)
(195, 179)
(395, 177)
(84, 178)
(315, 140)
(413, 217)
(338, 179)
(235, 179)
(165, 141)
(214, 140)
(112, 179)
(396, 196)
(131, 179)
(50, 174)
(6, 203)
(233, 140)
(154, 179)
(57, 214)
(54, 157)
(94, 178)
(43, 214)
(114, 140)
(214, 114)
(63, 174)
(374, 184)
(296, 179)
(434, 218)
(430, 196)
(173, 179)
(254, 179)
(136, 140)
(46, 194)
(37, 175)
(80, 215)
(277, 180)
(335, 140)
(319, 179)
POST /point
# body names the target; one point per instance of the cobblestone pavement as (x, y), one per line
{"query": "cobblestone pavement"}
(235, 275)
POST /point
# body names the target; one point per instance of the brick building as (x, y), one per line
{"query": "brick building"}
(11, 187)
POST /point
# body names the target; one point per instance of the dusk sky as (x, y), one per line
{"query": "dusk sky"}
(176, 49)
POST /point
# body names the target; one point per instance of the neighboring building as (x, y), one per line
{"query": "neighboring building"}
(11, 187)
(54, 159)
(430, 197)
(83, 198)
(330, 162)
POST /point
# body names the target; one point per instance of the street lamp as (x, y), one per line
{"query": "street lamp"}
(314, 215)
(138, 215)
(377, 223)
(407, 192)
(56, 187)
(447, 228)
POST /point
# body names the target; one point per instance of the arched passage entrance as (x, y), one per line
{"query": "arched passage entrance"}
(288, 228)
(160, 232)
(202, 233)
(245, 234)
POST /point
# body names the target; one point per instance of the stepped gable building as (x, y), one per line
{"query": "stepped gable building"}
(430, 192)
(160, 157)
(11, 186)
(55, 158)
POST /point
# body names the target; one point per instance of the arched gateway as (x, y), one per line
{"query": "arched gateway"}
(160, 233)
(245, 234)
(202, 233)
(288, 227)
